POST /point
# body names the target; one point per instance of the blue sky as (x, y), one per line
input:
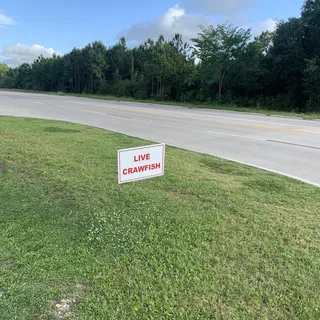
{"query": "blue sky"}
(62, 25)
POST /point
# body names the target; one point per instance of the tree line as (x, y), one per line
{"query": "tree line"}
(277, 70)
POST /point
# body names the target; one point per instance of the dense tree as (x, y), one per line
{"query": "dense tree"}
(287, 64)
(3, 69)
(310, 19)
(220, 49)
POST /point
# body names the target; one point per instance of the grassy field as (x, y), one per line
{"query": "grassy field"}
(215, 106)
(210, 240)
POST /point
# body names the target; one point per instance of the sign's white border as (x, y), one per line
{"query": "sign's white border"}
(141, 148)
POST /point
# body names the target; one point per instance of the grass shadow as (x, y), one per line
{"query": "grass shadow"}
(227, 167)
(60, 130)
(2, 167)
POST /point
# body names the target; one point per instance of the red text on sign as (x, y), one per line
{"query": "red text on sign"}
(147, 167)
(142, 157)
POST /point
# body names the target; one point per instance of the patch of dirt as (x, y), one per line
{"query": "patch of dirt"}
(62, 308)
(6, 263)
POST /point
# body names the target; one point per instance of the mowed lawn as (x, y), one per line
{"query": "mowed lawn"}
(210, 240)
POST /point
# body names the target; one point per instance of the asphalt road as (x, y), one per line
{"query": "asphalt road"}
(284, 145)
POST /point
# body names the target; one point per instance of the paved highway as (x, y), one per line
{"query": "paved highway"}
(284, 145)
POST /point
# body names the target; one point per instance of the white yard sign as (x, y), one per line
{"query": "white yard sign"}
(141, 163)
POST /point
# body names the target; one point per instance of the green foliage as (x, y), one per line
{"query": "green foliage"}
(220, 50)
(276, 70)
(310, 18)
(287, 62)
(312, 84)
(4, 70)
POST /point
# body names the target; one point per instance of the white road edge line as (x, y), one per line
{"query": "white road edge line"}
(275, 171)
(237, 135)
(281, 173)
(184, 148)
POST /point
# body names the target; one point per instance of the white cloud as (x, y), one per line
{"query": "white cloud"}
(175, 20)
(20, 53)
(267, 25)
(5, 20)
(218, 6)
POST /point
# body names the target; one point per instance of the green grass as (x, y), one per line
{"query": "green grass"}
(213, 105)
(210, 240)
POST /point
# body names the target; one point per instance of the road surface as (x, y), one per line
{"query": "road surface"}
(284, 145)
